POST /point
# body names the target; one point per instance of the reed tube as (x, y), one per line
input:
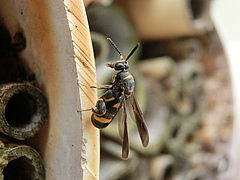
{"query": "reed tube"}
(162, 19)
(20, 162)
(23, 110)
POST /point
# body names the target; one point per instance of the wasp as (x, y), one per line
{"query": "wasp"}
(118, 98)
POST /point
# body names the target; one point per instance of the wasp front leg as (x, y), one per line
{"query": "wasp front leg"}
(113, 79)
(102, 87)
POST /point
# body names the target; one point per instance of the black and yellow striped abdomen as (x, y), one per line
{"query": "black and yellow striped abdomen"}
(106, 109)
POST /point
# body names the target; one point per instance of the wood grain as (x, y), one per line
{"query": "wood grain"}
(59, 52)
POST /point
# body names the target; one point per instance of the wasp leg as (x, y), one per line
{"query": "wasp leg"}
(113, 79)
(102, 87)
(85, 110)
(100, 107)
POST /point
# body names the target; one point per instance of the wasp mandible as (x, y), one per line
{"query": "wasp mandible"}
(119, 98)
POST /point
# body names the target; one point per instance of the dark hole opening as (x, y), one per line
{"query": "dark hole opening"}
(20, 110)
(175, 132)
(20, 168)
(190, 138)
(168, 173)
(197, 7)
(97, 49)
(194, 76)
(191, 51)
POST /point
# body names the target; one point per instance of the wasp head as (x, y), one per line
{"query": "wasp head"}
(121, 64)
(118, 65)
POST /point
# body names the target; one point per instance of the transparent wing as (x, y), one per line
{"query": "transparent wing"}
(120, 117)
(136, 115)
(122, 127)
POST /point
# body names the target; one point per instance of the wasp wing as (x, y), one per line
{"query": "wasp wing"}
(136, 114)
(120, 118)
(122, 127)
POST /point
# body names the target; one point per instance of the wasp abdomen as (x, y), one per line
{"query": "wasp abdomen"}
(106, 108)
(101, 121)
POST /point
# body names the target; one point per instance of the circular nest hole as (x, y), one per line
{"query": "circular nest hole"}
(97, 49)
(169, 171)
(20, 168)
(198, 7)
(20, 110)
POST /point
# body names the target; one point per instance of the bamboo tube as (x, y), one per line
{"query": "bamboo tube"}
(183, 48)
(20, 162)
(23, 110)
(161, 19)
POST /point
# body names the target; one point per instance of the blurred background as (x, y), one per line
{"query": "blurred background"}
(187, 85)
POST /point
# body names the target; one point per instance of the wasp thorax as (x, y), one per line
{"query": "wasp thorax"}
(118, 65)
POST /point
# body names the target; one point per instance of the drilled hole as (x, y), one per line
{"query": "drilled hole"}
(190, 138)
(168, 173)
(198, 7)
(20, 168)
(194, 76)
(175, 132)
(20, 110)
(97, 49)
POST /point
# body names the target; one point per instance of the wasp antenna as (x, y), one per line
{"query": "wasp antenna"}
(115, 46)
(134, 49)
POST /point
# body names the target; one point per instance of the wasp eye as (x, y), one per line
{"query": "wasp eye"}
(119, 66)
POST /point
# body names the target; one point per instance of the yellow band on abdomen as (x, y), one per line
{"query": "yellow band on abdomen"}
(101, 119)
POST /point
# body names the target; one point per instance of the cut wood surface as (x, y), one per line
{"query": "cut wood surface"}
(59, 52)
